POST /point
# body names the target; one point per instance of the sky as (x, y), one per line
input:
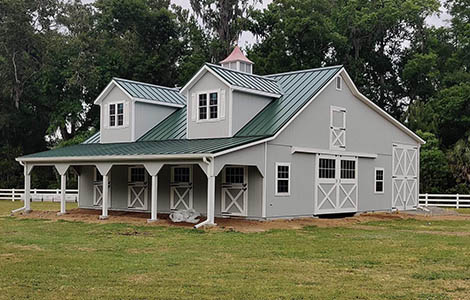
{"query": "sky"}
(248, 39)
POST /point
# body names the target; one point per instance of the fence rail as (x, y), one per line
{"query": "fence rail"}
(39, 195)
(445, 200)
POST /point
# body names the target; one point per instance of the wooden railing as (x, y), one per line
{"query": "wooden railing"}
(39, 195)
(445, 200)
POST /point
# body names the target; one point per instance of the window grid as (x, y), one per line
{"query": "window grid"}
(282, 179)
(348, 169)
(213, 105)
(181, 174)
(202, 106)
(137, 174)
(234, 175)
(327, 168)
(116, 114)
(379, 180)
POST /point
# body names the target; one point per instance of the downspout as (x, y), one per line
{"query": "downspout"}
(24, 202)
(210, 172)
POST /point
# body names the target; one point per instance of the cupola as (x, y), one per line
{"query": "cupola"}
(238, 61)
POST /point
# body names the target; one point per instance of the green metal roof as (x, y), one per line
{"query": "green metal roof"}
(152, 92)
(248, 81)
(173, 127)
(298, 87)
(95, 138)
(182, 146)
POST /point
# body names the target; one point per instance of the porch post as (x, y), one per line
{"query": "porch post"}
(62, 170)
(104, 169)
(210, 199)
(63, 184)
(27, 189)
(153, 216)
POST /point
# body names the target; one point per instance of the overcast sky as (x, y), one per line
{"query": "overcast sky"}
(248, 39)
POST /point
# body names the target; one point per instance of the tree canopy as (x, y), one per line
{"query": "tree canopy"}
(56, 56)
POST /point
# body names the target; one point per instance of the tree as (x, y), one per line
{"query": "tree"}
(224, 20)
(435, 174)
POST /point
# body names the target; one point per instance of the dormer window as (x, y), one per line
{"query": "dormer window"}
(208, 106)
(116, 114)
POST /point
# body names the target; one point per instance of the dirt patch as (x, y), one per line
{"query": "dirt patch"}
(233, 224)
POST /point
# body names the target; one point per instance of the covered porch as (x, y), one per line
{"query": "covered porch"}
(211, 187)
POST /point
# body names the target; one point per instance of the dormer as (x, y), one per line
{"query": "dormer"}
(130, 108)
(238, 61)
(222, 100)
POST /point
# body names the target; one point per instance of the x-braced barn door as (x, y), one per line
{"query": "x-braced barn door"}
(181, 187)
(404, 176)
(235, 191)
(137, 188)
(98, 188)
(336, 188)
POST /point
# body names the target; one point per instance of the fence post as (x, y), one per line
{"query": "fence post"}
(458, 198)
(426, 200)
(57, 192)
(13, 194)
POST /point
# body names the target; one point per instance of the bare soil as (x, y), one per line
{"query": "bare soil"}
(241, 225)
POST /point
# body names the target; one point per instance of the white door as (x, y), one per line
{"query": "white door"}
(98, 189)
(336, 188)
(235, 191)
(404, 176)
(137, 188)
(181, 187)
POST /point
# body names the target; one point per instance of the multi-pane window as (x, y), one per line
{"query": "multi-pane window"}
(282, 179)
(379, 180)
(116, 114)
(348, 169)
(202, 106)
(137, 175)
(234, 175)
(208, 106)
(181, 174)
(327, 168)
(213, 105)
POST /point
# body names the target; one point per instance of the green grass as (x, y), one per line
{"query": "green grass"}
(396, 259)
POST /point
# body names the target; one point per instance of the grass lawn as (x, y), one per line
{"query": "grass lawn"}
(393, 259)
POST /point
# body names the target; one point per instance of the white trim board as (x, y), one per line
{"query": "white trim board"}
(332, 152)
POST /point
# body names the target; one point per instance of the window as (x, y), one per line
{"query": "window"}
(116, 114)
(348, 169)
(202, 106)
(379, 180)
(327, 168)
(235, 175)
(337, 128)
(181, 174)
(339, 83)
(137, 174)
(282, 179)
(208, 109)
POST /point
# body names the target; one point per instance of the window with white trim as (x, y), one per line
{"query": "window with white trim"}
(327, 168)
(282, 179)
(348, 169)
(137, 174)
(116, 114)
(339, 83)
(379, 181)
(208, 106)
(337, 128)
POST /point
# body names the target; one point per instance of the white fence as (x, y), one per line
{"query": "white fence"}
(39, 195)
(444, 200)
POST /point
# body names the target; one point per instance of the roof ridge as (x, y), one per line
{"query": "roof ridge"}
(306, 70)
(150, 84)
(243, 73)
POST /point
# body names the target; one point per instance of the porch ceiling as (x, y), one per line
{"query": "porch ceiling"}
(166, 147)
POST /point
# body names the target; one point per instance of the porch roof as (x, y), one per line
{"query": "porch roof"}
(141, 149)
